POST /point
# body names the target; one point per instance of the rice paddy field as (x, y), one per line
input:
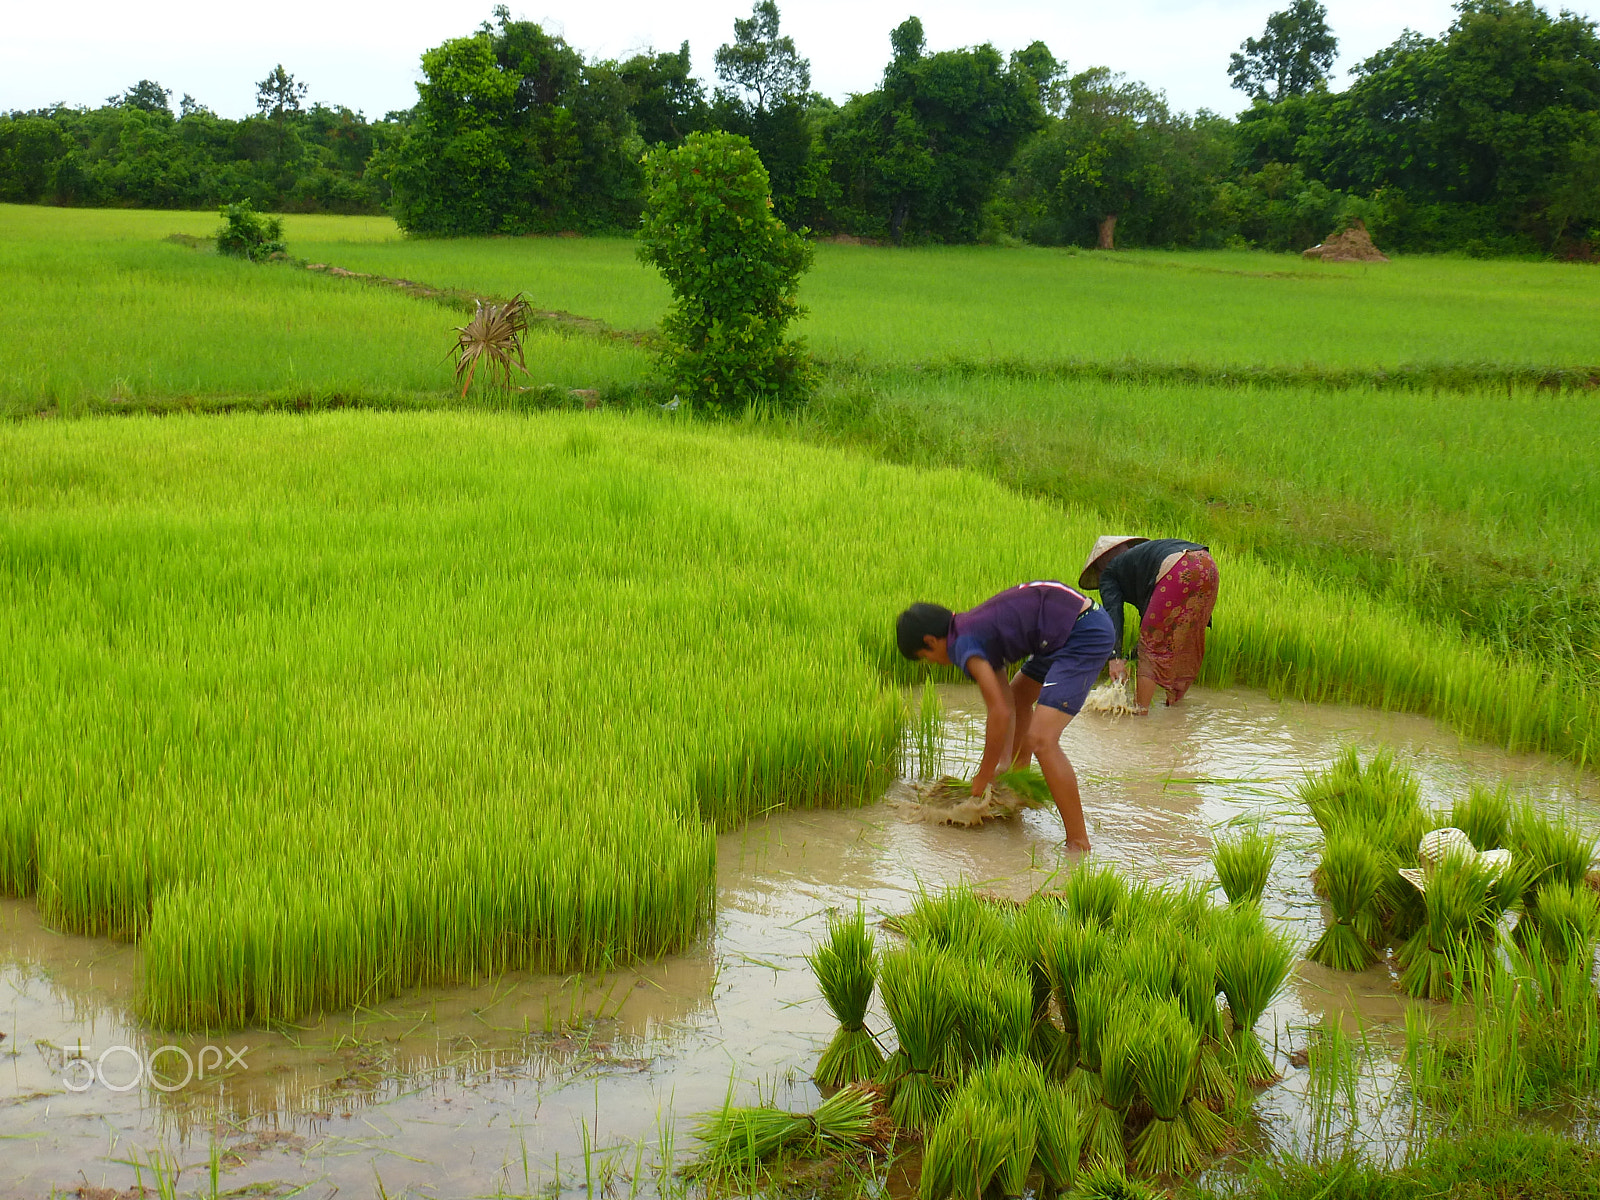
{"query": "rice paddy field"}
(328, 692)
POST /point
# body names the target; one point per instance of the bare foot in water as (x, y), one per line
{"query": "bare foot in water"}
(1078, 847)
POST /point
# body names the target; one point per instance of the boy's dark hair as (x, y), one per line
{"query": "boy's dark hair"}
(919, 621)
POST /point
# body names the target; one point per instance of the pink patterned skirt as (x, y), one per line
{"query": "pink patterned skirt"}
(1172, 636)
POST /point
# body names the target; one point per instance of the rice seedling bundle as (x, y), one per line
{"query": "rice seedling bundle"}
(1464, 902)
(1546, 849)
(1016, 1083)
(1243, 864)
(1164, 1061)
(738, 1142)
(846, 968)
(1197, 988)
(993, 1010)
(1093, 891)
(1253, 964)
(967, 1147)
(1568, 921)
(1101, 1180)
(1352, 871)
(1119, 1085)
(1074, 953)
(1034, 932)
(961, 921)
(1060, 1128)
(1095, 999)
(1484, 815)
(918, 986)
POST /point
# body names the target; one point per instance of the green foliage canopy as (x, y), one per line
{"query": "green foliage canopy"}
(734, 270)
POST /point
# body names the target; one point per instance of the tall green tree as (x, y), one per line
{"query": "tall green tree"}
(667, 102)
(1291, 58)
(766, 97)
(920, 157)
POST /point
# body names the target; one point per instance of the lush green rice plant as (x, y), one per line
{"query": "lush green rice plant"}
(1164, 1061)
(1093, 891)
(1352, 871)
(1568, 921)
(1150, 959)
(1198, 985)
(738, 1142)
(1102, 1180)
(846, 966)
(1076, 951)
(1060, 1126)
(958, 919)
(1243, 864)
(1119, 1085)
(1095, 1001)
(1253, 964)
(1464, 903)
(1012, 1083)
(918, 985)
(1034, 931)
(1484, 816)
(966, 1148)
(994, 1011)
(1028, 783)
(1546, 849)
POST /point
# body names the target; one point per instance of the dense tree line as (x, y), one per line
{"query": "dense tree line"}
(1486, 138)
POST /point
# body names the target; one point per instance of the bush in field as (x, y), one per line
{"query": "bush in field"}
(734, 269)
(245, 233)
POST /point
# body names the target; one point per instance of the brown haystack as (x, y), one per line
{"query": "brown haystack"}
(1348, 245)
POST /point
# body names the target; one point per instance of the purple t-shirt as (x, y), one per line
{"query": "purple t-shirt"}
(1029, 619)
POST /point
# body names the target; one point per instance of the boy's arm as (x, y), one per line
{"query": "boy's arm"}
(997, 731)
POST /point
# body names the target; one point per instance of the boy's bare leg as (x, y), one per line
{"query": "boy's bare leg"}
(1044, 743)
(1024, 694)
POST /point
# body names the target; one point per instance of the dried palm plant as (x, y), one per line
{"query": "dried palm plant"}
(495, 333)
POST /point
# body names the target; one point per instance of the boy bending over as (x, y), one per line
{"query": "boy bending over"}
(1062, 641)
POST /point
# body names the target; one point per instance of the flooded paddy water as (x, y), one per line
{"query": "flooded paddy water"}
(566, 1084)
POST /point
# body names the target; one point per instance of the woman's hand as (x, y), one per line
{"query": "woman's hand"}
(1118, 668)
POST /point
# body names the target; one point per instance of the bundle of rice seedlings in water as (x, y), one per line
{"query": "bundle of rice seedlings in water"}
(739, 1141)
(1253, 963)
(1095, 998)
(1034, 932)
(959, 920)
(1569, 921)
(1108, 1181)
(1544, 850)
(1060, 1125)
(1164, 1060)
(917, 989)
(1020, 1140)
(1029, 785)
(1092, 893)
(1119, 1083)
(1150, 960)
(965, 1149)
(1464, 903)
(994, 1011)
(1243, 864)
(846, 966)
(1484, 816)
(1352, 871)
(1197, 995)
(1076, 952)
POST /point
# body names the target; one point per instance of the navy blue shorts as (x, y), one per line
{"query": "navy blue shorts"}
(1066, 676)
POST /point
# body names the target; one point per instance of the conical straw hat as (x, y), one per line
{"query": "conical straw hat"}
(1438, 844)
(1106, 545)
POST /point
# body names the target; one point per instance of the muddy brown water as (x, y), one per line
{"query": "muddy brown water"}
(553, 1084)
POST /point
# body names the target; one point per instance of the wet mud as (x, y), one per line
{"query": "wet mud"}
(532, 1083)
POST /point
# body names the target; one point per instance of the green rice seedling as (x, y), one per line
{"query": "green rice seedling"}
(1119, 1085)
(1029, 784)
(1075, 952)
(994, 1011)
(957, 919)
(1093, 891)
(1464, 903)
(917, 985)
(1021, 1142)
(846, 967)
(1060, 1126)
(1546, 849)
(738, 1142)
(1484, 816)
(1352, 871)
(927, 741)
(1164, 1060)
(1253, 964)
(1243, 864)
(1568, 921)
(1198, 985)
(1095, 997)
(966, 1148)
(1150, 960)
(1034, 931)
(1101, 1180)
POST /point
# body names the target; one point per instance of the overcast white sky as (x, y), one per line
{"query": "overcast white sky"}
(366, 54)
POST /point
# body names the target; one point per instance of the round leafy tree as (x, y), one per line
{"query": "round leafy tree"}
(734, 269)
